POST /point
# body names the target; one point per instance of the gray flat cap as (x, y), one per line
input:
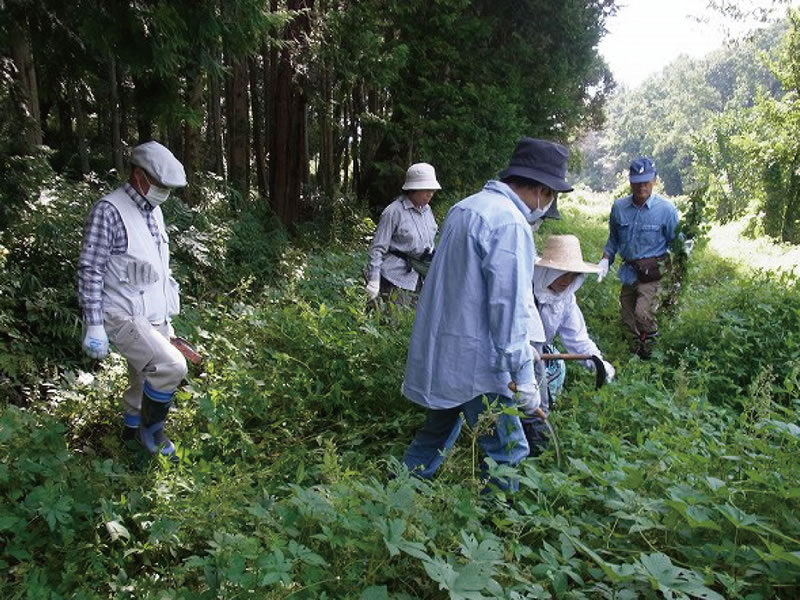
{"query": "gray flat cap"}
(160, 164)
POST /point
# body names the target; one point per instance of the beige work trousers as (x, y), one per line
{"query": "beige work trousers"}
(639, 303)
(150, 356)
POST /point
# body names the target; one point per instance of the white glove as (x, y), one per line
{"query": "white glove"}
(536, 356)
(610, 372)
(95, 343)
(687, 246)
(373, 287)
(141, 273)
(170, 330)
(603, 264)
(529, 397)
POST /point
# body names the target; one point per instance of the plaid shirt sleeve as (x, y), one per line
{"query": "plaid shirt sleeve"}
(103, 236)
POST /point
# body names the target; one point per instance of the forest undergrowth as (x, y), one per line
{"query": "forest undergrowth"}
(679, 479)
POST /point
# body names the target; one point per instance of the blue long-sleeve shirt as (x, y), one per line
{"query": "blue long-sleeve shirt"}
(639, 232)
(470, 333)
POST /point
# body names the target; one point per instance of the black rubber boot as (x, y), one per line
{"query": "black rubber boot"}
(151, 432)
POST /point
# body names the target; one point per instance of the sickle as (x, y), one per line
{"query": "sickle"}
(541, 414)
(599, 367)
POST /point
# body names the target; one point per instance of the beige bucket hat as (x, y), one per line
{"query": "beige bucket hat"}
(421, 176)
(563, 252)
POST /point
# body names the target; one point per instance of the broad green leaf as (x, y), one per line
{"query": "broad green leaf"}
(660, 568)
(375, 592)
(117, 530)
(7, 522)
(581, 466)
(699, 516)
(486, 551)
(736, 516)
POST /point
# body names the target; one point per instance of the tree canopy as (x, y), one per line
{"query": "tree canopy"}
(301, 100)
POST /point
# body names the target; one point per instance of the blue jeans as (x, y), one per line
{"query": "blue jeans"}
(505, 444)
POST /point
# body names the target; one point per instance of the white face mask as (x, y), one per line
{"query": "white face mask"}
(157, 195)
(536, 214)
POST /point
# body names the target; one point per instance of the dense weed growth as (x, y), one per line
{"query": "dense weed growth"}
(679, 479)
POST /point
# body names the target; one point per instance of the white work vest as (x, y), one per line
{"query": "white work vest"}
(157, 298)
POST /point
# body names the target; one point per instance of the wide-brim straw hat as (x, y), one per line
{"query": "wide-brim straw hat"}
(563, 252)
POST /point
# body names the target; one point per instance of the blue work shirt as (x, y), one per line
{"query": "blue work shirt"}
(639, 232)
(470, 333)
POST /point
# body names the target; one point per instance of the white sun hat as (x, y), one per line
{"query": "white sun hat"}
(563, 252)
(421, 176)
(160, 164)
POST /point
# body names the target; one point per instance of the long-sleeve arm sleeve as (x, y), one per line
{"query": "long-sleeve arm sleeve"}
(573, 332)
(97, 244)
(380, 243)
(508, 270)
(612, 245)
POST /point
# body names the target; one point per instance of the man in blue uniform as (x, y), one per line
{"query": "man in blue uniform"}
(469, 339)
(640, 229)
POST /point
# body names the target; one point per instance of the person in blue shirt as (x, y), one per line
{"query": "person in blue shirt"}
(640, 229)
(469, 339)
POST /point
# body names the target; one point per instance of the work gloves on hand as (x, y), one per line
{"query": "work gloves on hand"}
(95, 342)
(529, 397)
(170, 330)
(373, 287)
(610, 372)
(603, 266)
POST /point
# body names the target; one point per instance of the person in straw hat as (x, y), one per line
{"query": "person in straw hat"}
(404, 240)
(558, 274)
(560, 271)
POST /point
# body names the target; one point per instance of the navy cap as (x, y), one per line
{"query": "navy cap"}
(540, 160)
(642, 169)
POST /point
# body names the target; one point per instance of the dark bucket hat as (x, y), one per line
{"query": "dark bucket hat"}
(540, 160)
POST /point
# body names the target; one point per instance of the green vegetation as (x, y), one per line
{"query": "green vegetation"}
(679, 480)
(725, 125)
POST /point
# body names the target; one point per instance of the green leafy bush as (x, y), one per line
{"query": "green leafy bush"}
(732, 333)
(677, 480)
(39, 316)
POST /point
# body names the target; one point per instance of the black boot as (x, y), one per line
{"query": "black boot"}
(646, 343)
(130, 428)
(151, 432)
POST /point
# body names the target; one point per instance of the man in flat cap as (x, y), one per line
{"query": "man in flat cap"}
(470, 337)
(128, 295)
(640, 229)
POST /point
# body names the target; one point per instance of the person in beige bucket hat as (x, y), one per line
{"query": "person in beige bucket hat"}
(560, 271)
(404, 240)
